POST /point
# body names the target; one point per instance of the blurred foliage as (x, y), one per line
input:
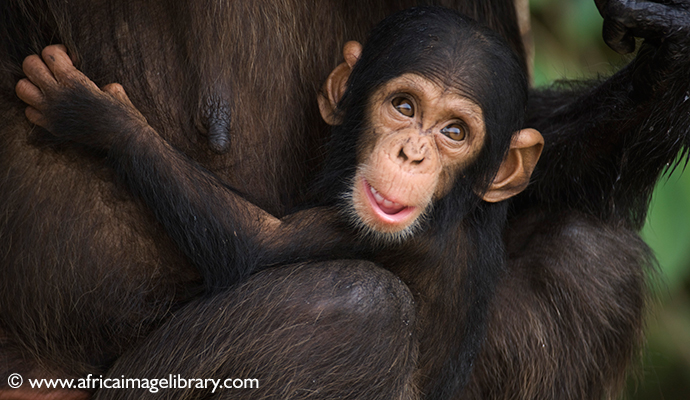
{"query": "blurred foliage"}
(568, 44)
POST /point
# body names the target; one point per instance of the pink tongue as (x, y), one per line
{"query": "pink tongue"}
(390, 210)
(395, 214)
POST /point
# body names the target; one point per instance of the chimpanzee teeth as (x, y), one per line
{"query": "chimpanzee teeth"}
(376, 194)
(381, 200)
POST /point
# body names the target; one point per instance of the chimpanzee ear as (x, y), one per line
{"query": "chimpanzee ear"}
(515, 171)
(336, 83)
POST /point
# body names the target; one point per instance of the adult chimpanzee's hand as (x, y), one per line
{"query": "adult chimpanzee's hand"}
(68, 104)
(626, 19)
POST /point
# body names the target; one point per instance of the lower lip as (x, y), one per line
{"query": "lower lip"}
(397, 218)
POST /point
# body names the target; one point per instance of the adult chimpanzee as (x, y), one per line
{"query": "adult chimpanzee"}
(428, 127)
(567, 315)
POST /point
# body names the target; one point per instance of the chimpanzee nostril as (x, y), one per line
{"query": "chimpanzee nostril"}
(402, 154)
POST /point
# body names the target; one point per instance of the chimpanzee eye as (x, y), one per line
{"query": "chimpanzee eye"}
(404, 106)
(455, 131)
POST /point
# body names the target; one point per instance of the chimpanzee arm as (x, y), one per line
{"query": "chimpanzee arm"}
(225, 236)
(607, 143)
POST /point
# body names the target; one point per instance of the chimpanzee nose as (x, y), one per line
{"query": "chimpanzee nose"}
(413, 152)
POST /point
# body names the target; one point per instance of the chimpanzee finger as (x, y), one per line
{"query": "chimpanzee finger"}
(56, 58)
(36, 117)
(617, 37)
(29, 93)
(116, 90)
(649, 20)
(38, 73)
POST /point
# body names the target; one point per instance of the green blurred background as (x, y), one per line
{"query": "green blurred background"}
(568, 44)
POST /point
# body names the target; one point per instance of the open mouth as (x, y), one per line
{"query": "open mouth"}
(387, 210)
